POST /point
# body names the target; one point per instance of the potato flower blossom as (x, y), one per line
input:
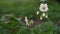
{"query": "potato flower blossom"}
(43, 7)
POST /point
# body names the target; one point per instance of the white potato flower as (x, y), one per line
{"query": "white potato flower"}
(43, 14)
(26, 20)
(37, 12)
(46, 16)
(43, 7)
(41, 18)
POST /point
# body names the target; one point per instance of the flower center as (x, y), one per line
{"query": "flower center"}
(43, 7)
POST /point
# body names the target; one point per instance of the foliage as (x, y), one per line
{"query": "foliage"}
(43, 28)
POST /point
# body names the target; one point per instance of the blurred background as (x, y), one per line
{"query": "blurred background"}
(22, 8)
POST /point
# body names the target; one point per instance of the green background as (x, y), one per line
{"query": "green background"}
(22, 8)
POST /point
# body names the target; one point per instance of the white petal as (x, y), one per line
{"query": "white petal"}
(42, 4)
(26, 19)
